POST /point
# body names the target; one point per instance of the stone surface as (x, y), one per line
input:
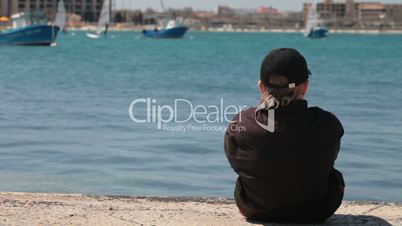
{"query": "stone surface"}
(61, 209)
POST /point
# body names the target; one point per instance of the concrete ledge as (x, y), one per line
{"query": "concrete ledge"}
(62, 209)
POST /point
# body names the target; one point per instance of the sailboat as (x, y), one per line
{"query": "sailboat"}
(313, 28)
(61, 16)
(104, 21)
(171, 29)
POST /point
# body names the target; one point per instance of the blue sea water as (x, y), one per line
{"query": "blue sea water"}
(65, 125)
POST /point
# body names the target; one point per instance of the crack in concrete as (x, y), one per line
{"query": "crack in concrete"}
(125, 220)
(374, 208)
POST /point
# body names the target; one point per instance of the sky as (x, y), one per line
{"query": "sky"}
(211, 4)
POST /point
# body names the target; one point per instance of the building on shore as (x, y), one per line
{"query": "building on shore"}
(88, 10)
(393, 14)
(334, 13)
(370, 13)
(224, 10)
(348, 13)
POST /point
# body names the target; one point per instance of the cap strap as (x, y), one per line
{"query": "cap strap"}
(290, 86)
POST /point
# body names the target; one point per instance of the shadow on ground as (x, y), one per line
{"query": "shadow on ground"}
(340, 219)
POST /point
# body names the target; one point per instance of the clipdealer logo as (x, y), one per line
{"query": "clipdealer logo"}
(182, 115)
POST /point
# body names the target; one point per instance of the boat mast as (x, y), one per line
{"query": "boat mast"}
(163, 6)
(110, 11)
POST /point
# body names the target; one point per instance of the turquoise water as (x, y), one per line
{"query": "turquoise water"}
(65, 126)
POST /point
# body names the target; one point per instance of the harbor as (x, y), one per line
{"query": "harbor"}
(118, 116)
(167, 22)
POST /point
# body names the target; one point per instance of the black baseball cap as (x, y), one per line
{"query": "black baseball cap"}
(286, 62)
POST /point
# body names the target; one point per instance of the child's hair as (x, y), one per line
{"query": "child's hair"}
(281, 96)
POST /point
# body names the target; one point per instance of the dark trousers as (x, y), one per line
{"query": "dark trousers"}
(331, 203)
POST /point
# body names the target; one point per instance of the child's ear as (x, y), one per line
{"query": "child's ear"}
(261, 87)
(306, 85)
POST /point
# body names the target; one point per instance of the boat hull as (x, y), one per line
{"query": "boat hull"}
(317, 33)
(93, 36)
(30, 35)
(177, 32)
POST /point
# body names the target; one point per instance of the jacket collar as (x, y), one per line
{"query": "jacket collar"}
(294, 106)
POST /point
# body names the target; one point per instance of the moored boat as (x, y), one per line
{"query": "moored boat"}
(173, 29)
(29, 29)
(317, 32)
(314, 29)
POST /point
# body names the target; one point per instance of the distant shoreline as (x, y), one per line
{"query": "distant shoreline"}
(222, 30)
(91, 27)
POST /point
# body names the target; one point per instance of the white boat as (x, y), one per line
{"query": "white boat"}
(61, 16)
(93, 35)
(313, 28)
(103, 22)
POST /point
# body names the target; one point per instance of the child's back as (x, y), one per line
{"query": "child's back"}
(285, 157)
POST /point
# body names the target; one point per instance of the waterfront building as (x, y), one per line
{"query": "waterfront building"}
(88, 10)
(361, 14)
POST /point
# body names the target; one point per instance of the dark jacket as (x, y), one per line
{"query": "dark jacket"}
(288, 175)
